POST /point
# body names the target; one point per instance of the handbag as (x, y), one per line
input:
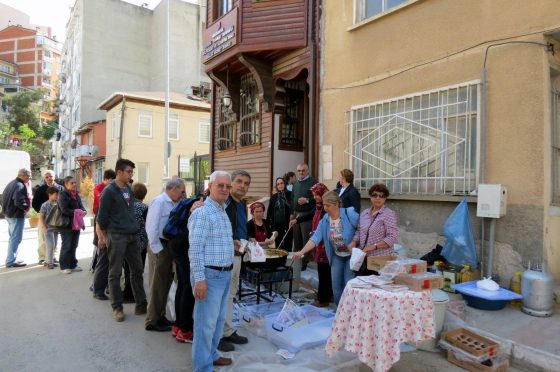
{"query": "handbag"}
(56, 219)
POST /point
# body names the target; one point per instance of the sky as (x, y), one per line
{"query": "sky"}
(55, 13)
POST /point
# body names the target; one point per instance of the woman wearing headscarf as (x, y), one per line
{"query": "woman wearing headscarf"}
(257, 226)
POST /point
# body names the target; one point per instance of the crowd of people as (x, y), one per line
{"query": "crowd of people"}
(203, 252)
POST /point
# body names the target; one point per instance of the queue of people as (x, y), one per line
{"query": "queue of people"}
(305, 215)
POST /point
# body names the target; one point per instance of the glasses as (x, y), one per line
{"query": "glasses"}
(222, 186)
(301, 170)
(376, 195)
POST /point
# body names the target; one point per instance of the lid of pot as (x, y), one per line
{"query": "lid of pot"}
(439, 296)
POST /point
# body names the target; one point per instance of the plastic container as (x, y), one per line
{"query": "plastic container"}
(441, 299)
(466, 274)
(483, 299)
(253, 317)
(295, 338)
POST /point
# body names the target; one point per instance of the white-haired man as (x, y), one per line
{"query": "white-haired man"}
(39, 197)
(211, 260)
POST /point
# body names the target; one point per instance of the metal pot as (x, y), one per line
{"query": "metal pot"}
(537, 289)
(272, 262)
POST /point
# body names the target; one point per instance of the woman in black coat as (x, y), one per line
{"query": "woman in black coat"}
(278, 214)
(68, 201)
(349, 195)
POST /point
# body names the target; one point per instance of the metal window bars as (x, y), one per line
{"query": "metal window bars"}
(225, 139)
(249, 112)
(420, 144)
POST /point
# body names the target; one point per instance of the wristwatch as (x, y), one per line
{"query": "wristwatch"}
(375, 245)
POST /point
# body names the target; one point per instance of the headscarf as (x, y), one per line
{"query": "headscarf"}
(256, 205)
(319, 189)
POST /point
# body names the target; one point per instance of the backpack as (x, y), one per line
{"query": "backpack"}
(177, 223)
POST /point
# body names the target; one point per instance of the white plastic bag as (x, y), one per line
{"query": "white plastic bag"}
(487, 284)
(257, 252)
(290, 316)
(357, 259)
(170, 307)
(392, 269)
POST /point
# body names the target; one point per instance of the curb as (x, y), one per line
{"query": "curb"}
(523, 356)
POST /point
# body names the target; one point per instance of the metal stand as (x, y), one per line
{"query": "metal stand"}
(260, 276)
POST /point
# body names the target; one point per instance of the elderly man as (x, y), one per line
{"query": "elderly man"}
(39, 197)
(116, 230)
(236, 210)
(303, 205)
(211, 260)
(159, 258)
(15, 203)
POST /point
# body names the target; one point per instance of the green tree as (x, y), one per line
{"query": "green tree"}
(47, 130)
(27, 135)
(24, 109)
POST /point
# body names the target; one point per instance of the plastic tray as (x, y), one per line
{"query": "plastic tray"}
(470, 289)
(305, 336)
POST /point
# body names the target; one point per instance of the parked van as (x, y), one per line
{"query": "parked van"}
(10, 162)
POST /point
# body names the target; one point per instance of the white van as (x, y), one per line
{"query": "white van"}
(10, 162)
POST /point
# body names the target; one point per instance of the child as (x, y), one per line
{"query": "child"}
(50, 234)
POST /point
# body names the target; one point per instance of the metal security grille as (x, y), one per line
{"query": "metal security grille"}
(225, 139)
(424, 143)
(250, 112)
(555, 147)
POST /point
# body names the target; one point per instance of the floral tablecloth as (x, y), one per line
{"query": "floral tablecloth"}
(372, 323)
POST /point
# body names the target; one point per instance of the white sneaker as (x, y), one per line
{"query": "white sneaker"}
(67, 271)
(77, 268)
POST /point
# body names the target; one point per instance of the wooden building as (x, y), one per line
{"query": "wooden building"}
(262, 56)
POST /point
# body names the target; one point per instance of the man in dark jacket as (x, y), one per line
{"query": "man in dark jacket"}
(15, 204)
(39, 197)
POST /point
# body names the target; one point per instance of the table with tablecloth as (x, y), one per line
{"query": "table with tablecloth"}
(372, 323)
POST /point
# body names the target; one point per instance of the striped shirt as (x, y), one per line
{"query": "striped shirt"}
(210, 238)
(384, 228)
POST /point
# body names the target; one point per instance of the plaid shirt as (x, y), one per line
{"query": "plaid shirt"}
(384, 228)
(210, 238)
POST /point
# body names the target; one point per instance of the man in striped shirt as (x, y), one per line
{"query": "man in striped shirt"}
(211, 260)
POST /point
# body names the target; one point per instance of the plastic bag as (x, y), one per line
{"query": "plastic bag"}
(392, 269)
(357, 259)
(257, 252)
(459, 248)
(170, 307)
(290, 316)
(487, 284)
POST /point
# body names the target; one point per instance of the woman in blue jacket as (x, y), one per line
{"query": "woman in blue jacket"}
(336, 231)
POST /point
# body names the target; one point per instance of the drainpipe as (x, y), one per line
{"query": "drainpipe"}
(312, 139)
(121, 127)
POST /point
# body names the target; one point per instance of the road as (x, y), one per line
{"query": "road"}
(50, 322)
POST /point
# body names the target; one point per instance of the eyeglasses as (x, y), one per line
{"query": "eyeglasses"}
(301, 170)
(376, 195)
(222, 186)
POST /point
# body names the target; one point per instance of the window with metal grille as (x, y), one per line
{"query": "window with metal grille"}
(225, 139)
(204, 131)
(291, 128)
(424, 144)
(555, 147)
(249, 112)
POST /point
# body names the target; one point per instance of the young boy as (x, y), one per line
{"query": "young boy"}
(50, 234)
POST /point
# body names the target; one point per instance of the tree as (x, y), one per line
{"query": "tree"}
(26, 134)
(23, 109)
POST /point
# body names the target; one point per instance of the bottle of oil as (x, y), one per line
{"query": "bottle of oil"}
(515, 286)
(466, 274)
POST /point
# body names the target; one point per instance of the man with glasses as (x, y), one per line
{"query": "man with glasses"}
(159, 258)
(39, 197)
(116, 230)
(15, 204)
(303, 207)
(211, 255)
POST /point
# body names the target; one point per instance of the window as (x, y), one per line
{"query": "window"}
(143, 173)
(224, 6)
(145, 124)
(369, 8)
(291, 128)
(226, 124)
(250, 112)
(419, 144)
(173, 129)
(204, 131)
(115, 124)
(556, 146)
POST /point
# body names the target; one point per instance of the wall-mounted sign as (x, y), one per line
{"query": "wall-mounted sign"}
(220, 36)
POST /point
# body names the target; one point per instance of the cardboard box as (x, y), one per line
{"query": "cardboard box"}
(414, 265)
(376, 263)
(472, 343)
(420, 281)
(474, 366)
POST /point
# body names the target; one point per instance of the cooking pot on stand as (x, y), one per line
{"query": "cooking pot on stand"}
(274, 259)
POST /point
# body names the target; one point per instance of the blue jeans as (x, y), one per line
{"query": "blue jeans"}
(15, 229)
(51, 236)
(341, 274)
(209, 317)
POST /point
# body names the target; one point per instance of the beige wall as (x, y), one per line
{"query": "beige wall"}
(150, 150)
(442, 43)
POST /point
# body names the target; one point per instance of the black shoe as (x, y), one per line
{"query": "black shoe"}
(225, 346)
(158, 328)
(101, 297)
(17, 264)
(41, 262)
(236, 339)
(165, 322)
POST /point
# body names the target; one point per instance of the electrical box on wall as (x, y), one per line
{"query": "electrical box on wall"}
(492, 201)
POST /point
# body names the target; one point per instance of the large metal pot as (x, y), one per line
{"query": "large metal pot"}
(537, 289)
(274, 259)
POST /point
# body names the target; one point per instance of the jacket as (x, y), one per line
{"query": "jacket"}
(67, 204)
(285, 210)
(40, 195)
(349, 219)
(114, 214)
(14, 199)
(350, 198)
(232, 215)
